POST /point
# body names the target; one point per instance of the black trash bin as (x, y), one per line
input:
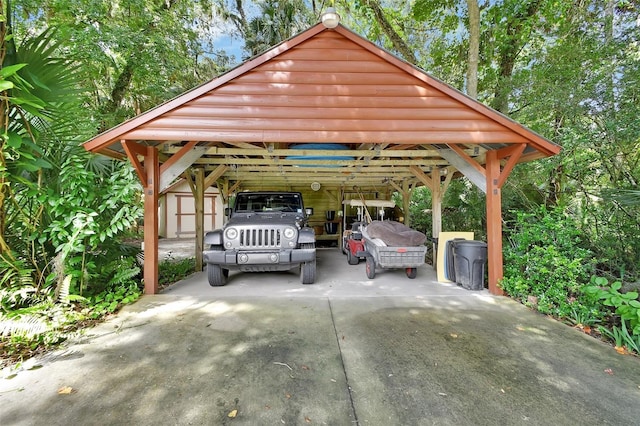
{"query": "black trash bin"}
(470, 259)
(449, 268)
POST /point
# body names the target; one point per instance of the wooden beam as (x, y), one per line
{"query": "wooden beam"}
(466, 165)
(447, 179)
(380, 171)
(406, 202)
(436, 204)
(215, 175)
(511, 163)
(417, 171)
(233, 187)
(189, 178)
(466, 157)
(508, 151)
(133, 150)
(177, 155)
(151, 194)
(396, 186)
(333, 197)
(261, 152)
(328, 163)
(178, 163)
(198, 197)
(494, 223)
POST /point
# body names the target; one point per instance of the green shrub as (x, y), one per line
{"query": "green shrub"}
(174, 270)
(546, 265)
(625, 305)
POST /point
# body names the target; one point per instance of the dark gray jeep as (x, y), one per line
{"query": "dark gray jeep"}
(266, 231)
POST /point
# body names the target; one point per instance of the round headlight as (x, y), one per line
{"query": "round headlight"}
(289, 233)
(231, 233)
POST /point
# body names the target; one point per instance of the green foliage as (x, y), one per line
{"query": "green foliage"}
(134, 55)
(86, 223)
(40, 326)
(420, 210)
(276, 22)
(60, 221)
(464, 208)
(174, 270)
(546, 264)
(33, 320)
(622, 338)
(625, 305)
(112, 299)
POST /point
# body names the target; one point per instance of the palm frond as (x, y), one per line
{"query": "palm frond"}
(15, 273)
(26, 325)
(62, 290)
(625, 197)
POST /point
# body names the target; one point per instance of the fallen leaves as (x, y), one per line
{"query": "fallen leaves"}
(584, 328)
(66, 390)
(621, 350)
(232, 414)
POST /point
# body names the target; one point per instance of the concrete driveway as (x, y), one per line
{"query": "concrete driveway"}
(266, 350)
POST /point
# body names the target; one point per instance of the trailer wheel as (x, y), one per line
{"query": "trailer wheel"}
(412, 272)
(371, 267)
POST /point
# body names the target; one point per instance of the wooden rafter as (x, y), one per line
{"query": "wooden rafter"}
(132, 150)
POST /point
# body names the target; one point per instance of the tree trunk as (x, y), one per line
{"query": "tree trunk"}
(508, 53)
(3, 127)
(394, 37)
(474, 48)
(117, 94)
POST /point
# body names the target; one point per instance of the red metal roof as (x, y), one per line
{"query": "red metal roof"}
(326, 86)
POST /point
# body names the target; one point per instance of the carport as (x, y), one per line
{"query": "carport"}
(275, 121)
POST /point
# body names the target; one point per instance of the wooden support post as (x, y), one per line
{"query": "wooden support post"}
(406, 201)
(494, 222)
(198, 197)
(436, 203)
(152, 173)
(436, 212)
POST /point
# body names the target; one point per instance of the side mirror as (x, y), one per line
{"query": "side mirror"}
(227, 211)
(308, 211)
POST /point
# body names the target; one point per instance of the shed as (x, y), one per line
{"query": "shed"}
(262, 125)
(177, 215)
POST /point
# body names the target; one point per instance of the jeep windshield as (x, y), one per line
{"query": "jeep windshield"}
(257, 203)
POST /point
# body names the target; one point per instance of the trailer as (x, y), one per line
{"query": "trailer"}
(352, 242)
(379, 254)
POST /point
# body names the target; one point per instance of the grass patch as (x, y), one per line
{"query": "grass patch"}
(173, 270)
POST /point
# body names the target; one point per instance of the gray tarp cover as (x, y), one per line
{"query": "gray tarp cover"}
(395, 234)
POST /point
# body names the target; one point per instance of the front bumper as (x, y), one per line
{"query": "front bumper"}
(273, 259)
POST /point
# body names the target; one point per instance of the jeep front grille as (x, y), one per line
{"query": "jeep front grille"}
(260, 238)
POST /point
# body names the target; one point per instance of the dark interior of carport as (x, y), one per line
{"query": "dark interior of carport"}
(275, 121)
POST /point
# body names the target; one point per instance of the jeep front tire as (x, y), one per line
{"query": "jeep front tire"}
(308, 269)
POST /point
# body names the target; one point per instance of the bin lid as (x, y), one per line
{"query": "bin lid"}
(459, 243)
